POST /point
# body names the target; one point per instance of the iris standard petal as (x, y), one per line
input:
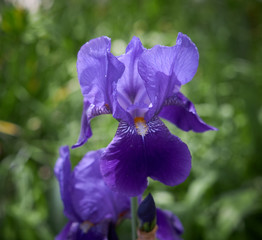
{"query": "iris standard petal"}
(97, 69)
(165, 69)
(63, 174)
(186, 59)
(155, 68)
(89, 112)
(90, 196)
(130, 87)
(181, 112)
(137, 152)
(169, 226)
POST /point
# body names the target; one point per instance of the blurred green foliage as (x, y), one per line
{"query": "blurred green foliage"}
(41, 104)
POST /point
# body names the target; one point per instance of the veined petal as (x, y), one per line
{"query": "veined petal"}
(169, 160)
(122, 164)
(130, 87)
(90, 196)
(155, 68)
(97, 69)
(169, 226)
(181, 112)
(186, 59)
(89, 112)
(165, 69)
(148, 150)
(63, 174)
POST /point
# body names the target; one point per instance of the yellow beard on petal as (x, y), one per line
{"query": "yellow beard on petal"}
(141, 126)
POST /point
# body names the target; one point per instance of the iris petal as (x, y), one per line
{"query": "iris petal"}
(84, 192)
(181, 112)
(89, 112)
(90, 196)
(169, 226)
(130, 87)
(131, 158)
(122, 164)
(63, 174)
(165, 69)
(72, 231)
(68, 230)
(186, 59)
(97, 69)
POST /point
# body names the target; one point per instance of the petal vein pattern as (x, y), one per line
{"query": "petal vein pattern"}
(131, 157)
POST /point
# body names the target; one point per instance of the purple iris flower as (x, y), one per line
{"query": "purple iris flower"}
(92, 208)
(137, 88)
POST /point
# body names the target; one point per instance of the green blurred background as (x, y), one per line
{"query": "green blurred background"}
(41, 104)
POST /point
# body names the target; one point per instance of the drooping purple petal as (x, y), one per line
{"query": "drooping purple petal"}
(97, 70)
(130, 87)
(63, 174)
(122, 164)
(89, 112)
(134, 155)
(165, 69)
(169, 226)
(169, 160)
(181, 112)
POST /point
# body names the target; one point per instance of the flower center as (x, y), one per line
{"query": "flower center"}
(141, 126)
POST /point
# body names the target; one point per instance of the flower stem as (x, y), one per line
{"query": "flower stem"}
(134, 216)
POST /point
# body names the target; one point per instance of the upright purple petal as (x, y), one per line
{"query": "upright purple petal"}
(155, 68)
(181, 112)
(135, 154)
(165, 69)
(63, 174)
(186, 59)
(169, 226)
(97, 70)
(130, 87)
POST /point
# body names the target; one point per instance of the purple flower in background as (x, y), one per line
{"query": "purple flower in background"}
(137, 88)
(92, 208)
(169, 226)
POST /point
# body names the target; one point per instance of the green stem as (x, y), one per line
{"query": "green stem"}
(134, 216)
